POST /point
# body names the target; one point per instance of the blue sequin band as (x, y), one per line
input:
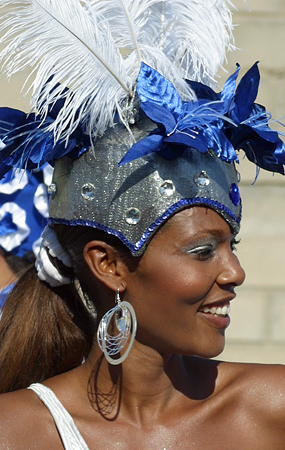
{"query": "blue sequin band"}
(134, 248)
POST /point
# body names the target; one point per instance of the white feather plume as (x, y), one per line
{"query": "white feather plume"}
(95, 47)
(197, 36)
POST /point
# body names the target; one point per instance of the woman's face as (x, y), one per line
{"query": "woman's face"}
(183, 284)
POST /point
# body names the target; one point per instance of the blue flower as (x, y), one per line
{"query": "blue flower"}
(224, 122)
(26, 143)
(197, 124)
(251, 131)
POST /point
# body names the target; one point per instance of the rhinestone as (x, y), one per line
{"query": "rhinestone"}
(121, 325)
(167, 188)
(133, 216)
(88, 191)
(234, 194)
(201, 179)
(52, 189)
(123, 320)
(238, 176)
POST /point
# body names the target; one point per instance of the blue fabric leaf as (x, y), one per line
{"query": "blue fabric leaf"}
(203, 109)
(142, 148)
(229, 88)
(153, 87)
(267, 134)
(258, 150)
(223, 147)
(245, 95)
(189, 139)
(202, 91)
(159, 115)
(279, 152)
(28, 144)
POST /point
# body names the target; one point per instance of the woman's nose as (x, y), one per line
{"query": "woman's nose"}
(231, 271)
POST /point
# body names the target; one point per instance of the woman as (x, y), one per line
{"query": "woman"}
(137, 267)
(161, 396)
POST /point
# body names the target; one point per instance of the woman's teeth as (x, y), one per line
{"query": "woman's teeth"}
(216, 311)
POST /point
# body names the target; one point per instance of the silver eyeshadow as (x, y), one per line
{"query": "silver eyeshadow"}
(207, 244)
(202, 245)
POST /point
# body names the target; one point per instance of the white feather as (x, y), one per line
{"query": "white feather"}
(65, 40)
(135, 28)
(196, 36)
(95, 47)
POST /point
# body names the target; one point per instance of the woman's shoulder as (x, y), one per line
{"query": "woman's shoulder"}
(261, 386)
(24, 421)
(20, 403)
(253, 373)
(257, 388)
(243, 403)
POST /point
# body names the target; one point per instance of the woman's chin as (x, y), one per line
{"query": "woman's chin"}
(211, 351)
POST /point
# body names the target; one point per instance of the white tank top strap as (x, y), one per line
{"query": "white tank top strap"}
(68, 431)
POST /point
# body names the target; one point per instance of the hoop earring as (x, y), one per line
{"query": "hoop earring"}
(125, 320)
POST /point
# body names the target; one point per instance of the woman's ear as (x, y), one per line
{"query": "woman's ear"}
(106, 264)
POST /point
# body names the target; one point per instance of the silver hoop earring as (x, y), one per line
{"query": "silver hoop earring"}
(126, 323)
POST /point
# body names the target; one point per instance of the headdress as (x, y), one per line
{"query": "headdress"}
(124, 103)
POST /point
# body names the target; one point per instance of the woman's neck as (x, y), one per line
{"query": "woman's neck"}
(143, 387)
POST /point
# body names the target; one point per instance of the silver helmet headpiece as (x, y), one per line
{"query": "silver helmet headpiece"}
(133, 200)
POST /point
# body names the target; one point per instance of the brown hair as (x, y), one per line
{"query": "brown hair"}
(46, 331)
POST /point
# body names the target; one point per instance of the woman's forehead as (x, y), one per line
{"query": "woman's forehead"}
(190, 225)
(197, 219)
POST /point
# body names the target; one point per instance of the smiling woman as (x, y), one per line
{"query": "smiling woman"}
(107, 342)
(187, 268)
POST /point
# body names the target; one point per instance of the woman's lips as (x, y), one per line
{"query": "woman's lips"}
(216, 315)
(219, 310)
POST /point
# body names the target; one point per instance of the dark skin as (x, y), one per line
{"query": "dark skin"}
(162, 396)
(7, 276)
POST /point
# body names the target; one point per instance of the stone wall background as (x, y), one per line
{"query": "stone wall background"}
(257, 331)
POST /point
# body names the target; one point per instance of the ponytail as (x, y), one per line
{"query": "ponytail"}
(43, 332)
(46, 331)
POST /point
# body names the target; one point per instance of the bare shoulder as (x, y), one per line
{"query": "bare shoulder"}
(262, 388)
(24, 421)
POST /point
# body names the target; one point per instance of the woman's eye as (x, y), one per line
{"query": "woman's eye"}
(204, 252)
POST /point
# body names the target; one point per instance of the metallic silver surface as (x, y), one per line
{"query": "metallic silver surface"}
(150, 185)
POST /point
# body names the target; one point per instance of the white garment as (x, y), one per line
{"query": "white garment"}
(68, 431)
